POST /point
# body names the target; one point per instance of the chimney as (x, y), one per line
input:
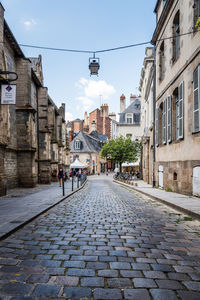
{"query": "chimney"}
(112, 116)
(132, 98)
(85, 119)
(122, 103)
(104, 110)
(93, 126)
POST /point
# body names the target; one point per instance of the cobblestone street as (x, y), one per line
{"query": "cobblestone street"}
(104, 242)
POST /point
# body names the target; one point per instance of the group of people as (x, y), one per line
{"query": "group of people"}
(64, 176)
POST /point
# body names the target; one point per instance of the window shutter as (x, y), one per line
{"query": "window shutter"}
(169, 118)
(196, 106)
(164, 128)
(157, 129)
(177, 118)
(181, 110)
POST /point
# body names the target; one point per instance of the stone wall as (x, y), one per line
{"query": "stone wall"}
(26, 165)
(11, 171)
(177, 175)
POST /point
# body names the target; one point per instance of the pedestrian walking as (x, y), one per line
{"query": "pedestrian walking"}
(60, 175)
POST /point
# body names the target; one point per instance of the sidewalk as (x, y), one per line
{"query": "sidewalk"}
(186, 204)
(22, 205)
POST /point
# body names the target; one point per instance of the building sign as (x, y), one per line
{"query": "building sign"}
(8, 94)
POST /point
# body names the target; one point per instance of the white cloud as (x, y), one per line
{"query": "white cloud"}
(85, 103)
(69, 116)
(29, 23)
(93, 89)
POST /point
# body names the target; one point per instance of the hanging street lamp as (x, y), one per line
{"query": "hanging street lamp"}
(94, 65)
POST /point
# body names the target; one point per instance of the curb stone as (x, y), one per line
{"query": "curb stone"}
(5, 235)
(174, 206)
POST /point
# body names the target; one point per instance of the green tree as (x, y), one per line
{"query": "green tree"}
(121, 150)
(197, 25)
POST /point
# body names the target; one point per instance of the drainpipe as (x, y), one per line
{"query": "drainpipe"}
(38, 146)
(154, 116)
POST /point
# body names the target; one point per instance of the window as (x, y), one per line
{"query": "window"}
(179, 112)
(77, 145)
(164, 122)
(157, 128)
(164, 2)
(129, 118)
(196, 7)
(169, 119)
(136, 118)
(162, 61)
(196, 106)
(176, 37)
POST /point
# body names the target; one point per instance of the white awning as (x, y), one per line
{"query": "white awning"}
(78, 165)
(135, 164)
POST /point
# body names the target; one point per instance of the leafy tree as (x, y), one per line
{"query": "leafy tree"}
(197, 25)
(121, 150)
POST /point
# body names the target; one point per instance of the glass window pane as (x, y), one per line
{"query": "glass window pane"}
(196, 100)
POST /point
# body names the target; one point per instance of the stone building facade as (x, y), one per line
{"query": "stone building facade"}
(146, 89)
(177, 96)
(25, 145)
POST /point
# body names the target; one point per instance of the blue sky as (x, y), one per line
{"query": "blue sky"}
(88, 25)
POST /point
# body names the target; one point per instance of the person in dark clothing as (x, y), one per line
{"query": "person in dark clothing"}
(60, 175)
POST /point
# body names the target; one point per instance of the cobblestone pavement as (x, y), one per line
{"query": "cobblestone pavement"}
(104, 242)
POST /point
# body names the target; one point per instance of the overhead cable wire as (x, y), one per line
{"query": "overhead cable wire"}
(105, 50)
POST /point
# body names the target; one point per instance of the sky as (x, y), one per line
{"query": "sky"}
(85, 25)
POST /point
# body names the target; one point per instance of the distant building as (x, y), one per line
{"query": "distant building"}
(101, 119)
(146, 89)
(86, 147)
(129, 124)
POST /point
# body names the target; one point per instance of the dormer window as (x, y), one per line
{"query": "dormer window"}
(77, 145)
(129, 118)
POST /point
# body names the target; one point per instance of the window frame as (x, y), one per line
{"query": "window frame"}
(169, 119)
(164, 122)
(130, 117)
(198, 101)
(176, 37)
(77, 145)
(180, 112)
(162, 61)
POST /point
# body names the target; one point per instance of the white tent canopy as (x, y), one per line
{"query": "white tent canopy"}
(135, 164)
(78, 165)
